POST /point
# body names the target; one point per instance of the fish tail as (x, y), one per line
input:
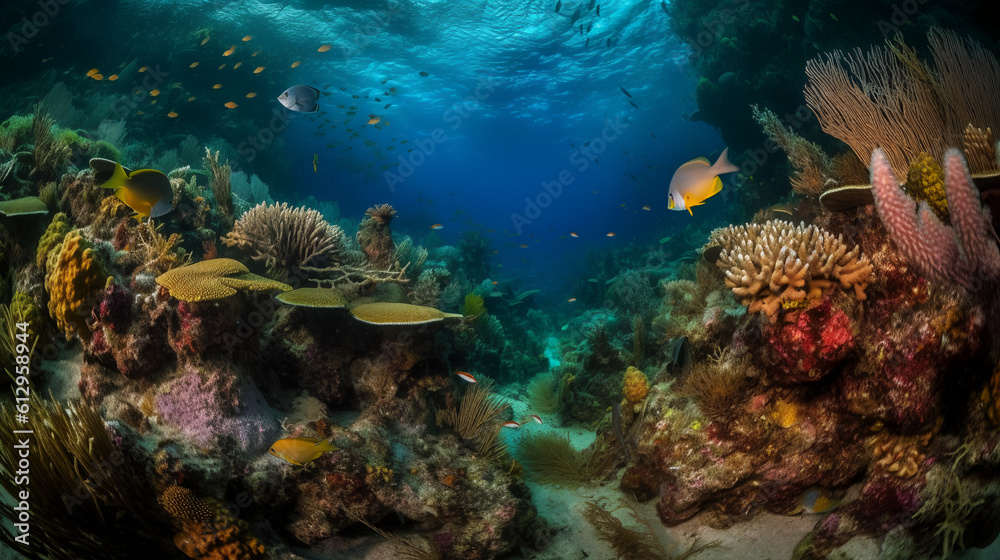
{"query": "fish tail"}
(723, 165)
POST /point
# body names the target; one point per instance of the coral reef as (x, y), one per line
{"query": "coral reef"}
(73, 278)
(777, 266)
(925, 183)
(375, 236)
(635, 385)
(214, 279)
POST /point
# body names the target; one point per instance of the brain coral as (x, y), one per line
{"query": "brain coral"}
(777, 264)
(74, 279)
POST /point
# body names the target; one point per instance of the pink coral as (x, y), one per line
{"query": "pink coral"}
(957, 254)
(808, 349)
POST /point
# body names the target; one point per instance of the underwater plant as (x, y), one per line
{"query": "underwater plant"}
(474, 305)
(550, 458)
(812, 167)
(545, 392)
(477, 420)
(714, 387)
(633, 544)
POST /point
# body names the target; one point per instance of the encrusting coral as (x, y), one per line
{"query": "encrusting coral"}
(52, 237)
(772, 265)
(74, 277)
(925, 182)
(635, 385)
(287, 238)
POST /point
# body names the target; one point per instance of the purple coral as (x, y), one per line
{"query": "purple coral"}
(219, 405)
(956, 254)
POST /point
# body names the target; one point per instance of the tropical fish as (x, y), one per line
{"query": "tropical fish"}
(558, 6)
(834, 18)
(192, 98)
(524, 245)
(237, 65)
(229, 51)
(172, 114)
(145, 191)
(437, 226)
(258, 70)
(573, 234)
(598, 9)
(315, 162)
(697, 180)
(205, 40)
(193, 65)
(465, 376)
(323, 48)
(255, 53)
(571, 300)
(625, 91)
(611, 234)
(795, 18)
(92, 71)
(536, 418)
(231, 105)
(816, 500)
(143, 69)
(511, 424)
(217, 86)
(300, 98)
(97, 76)
(112, 77)
(373, 119)
(154, 92)
(645, 207)
(251, 95)
(301, 450)
(424, 74)
(221, 66)
(296, 63)
(247, 38)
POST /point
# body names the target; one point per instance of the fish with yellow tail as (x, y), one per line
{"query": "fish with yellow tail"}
(301, 450)
(696, 181)
(145, 191)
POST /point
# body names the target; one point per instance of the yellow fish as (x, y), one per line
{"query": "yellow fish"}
(229, 51)
(816, 500)
(299, 451)
(697, 180)
(146, 191)
(315, 161)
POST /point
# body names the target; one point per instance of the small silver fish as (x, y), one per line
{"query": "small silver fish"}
(300, 98)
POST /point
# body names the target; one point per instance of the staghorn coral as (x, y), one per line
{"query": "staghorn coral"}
(287, 238)
(772, 264)
(925, 183)
(635, 385)
(375, 237)
(73, 278)
(963, 254)
(813, 168)
(214, 279)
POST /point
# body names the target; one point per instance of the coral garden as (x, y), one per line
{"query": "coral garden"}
(845, 366)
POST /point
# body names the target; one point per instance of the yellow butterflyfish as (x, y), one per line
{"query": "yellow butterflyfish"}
(301, 450)
(146, 191)
(696, 181)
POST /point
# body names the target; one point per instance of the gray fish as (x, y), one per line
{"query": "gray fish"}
(300, 98)
(680, 356)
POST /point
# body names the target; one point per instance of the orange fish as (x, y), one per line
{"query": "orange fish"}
(296, 63)
(696, 181)
(143, 69)
(193, 65)
(374, 120)
(171, 114)
(495, 282)
(571, 300)
(92, 71)
(237, 65)
(205, 40)
(437, 226)
(97, 77)
(251, 95)
(323, 48)
(524, 245)
(231, 105)
(258, 70)
(611, 234)
(247, 38)
(255, 53)
(646, 207)
(465, 376)
(573, 234)
(154, 92)
(217, 86)
(112, 77)
(229, 51)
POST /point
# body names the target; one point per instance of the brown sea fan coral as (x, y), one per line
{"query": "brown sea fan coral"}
(773, 264)
(287, 238)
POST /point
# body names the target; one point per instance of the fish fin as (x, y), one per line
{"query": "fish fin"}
(160, 208)
(690, 212)
(723, 165)
(314, 90)
(699, 159)
(117, 179)
(716, 186)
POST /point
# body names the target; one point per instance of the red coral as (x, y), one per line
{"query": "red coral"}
(811, 347)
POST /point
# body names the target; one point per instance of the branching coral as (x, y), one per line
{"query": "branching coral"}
(769, 265)
(152, 252)
(287, 238)
(813, 168)
(477, 421)
(73, 278)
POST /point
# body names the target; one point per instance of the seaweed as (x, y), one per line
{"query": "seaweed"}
(549, 458)
(634, 544)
